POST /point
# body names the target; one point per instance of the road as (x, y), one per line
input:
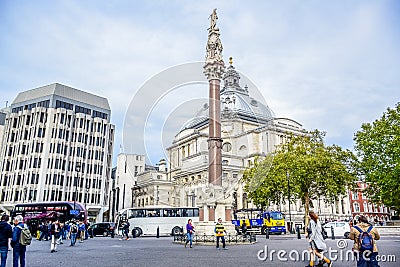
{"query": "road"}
(162, 252)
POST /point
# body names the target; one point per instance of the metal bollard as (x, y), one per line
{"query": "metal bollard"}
(298, 232)
(333, 233)
(267, 233)
(158, 232)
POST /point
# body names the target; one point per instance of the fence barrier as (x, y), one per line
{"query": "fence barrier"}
(250, 238)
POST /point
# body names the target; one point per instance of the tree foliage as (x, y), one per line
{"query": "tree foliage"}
(304, 168)
(378, 147)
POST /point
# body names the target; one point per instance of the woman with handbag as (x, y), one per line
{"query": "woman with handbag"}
(316, 241)
(189, 233)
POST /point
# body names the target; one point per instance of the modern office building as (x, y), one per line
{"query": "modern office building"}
(58, 144)
(3, 115)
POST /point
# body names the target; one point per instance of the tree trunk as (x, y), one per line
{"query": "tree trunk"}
(306, 208)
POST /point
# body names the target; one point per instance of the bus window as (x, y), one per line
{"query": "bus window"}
(183, 212)
(196, 212)
(174, 212)
(189, 212)
(276, 216)
(136, 214)
(153, 213)
(141, 213)
(169, 213)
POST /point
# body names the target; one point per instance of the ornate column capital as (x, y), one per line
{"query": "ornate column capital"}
(214, 66)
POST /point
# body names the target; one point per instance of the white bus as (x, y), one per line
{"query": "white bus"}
(169, 220)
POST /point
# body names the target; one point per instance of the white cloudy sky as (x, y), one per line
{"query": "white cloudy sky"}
(330, 65)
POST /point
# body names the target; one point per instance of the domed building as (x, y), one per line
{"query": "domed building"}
(249, 130)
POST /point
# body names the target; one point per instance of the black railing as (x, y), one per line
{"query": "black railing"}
(250, 238)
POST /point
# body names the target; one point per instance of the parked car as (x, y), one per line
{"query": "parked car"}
(341, 229)
(104, 229)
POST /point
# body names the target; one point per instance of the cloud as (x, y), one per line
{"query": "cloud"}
(329, 66)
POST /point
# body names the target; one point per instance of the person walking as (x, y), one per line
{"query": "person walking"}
(49, 223)
(73, 231)
(41, 230)
(220, 233)
(61, 236)
(125, 230)
(87, 227)
(65, 228)
(5, 237)
(82, 230)
(364, 236)
(55, 235)
(19, 250)
(189, 233)
(316, 241)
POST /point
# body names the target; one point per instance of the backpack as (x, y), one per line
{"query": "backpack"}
(324, 233)
(74, 229)
(25, 237)
(365, 239)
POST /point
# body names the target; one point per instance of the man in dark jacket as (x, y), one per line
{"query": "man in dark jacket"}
(18, 249)
(55, 234)
(5, 236)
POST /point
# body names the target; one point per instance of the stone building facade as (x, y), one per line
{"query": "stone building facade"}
(360, 204)
(250, 130)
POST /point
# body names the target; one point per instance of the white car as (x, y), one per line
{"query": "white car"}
(341, 229)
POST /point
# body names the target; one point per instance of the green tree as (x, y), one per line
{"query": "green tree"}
(378, 147)
(311, 168)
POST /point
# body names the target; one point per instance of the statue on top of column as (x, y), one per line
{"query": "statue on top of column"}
(214, 67)
(213, 21)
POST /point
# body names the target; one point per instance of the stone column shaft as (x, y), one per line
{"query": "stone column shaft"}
(214, 133)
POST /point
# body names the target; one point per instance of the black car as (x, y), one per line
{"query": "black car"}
(104, 229)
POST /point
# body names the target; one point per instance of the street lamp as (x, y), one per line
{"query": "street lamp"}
(77, 170)
(157, 197)
(290, 214)
(87, 194)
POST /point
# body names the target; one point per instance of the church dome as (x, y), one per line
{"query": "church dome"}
(235, 102)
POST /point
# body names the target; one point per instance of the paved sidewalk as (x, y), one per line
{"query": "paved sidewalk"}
(161, 252)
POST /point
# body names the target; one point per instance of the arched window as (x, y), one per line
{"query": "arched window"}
(365, 206)
(370, 207)
(243, 150)
(356, 207)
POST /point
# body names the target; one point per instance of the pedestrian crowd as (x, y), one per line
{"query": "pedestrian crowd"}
(18, 236)
(57, 231)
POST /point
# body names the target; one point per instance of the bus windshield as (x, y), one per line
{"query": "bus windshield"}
(276, 215)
